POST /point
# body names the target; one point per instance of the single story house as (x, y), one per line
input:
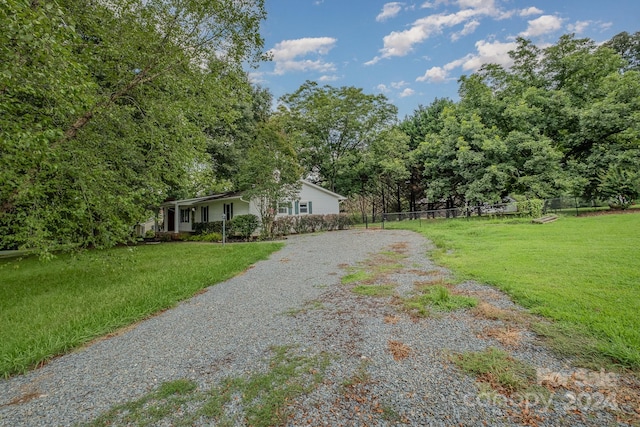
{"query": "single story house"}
(180, 215)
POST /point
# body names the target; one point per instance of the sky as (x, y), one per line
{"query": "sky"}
(415, 51)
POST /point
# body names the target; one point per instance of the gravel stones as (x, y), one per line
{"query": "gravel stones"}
(296, 298)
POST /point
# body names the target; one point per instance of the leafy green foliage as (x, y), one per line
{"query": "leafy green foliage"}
(333, 127)
(206, 237)
(620, 186)
(207, 227)
(532, 207)
(558, 121)
(244, 225)
(104, 114)
(270, 173)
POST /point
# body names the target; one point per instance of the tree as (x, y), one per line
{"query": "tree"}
(333, 126)
(424, 121)
(270, 174)
(628, 47)
(106, 106)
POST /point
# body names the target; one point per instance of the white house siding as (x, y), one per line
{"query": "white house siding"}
(216, 209)
(319, 202)
(322, 202)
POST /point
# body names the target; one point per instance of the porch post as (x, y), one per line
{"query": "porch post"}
(176, 219)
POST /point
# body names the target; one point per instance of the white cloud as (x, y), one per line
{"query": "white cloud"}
(401, 43)
(328, 78)
(407, 92)
(487, 6)
(530, 11)
(383, 88)
(399, 85)
(543, 25)
(487, 53)
(605, 26)
(434, 75)
(389, 10)
(579, 27)
(286, 55)
(256, 77)
(469, 28)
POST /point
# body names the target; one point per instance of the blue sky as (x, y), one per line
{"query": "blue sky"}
(414, 51)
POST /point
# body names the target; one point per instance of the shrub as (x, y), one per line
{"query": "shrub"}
(282, 226)
(344, 221)
(209, 237)
(285, 225)
(244, 225)
(531, 207)
(207, 227)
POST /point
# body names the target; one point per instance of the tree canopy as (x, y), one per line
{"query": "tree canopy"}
(106, 105)
(561, 120)
(333, 126)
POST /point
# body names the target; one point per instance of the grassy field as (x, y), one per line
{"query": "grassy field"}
(49, 308)
(583, 272)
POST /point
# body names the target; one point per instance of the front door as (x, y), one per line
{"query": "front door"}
(171, 218)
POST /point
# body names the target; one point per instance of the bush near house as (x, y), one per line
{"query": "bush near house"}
(310, 224)
(243, 225)
(207, 227)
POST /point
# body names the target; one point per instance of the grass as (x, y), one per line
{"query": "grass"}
(437, 298)
(262, 397)
(498, 369)
(356, 276)
(50, 308)
(374, 290)
(581, 272)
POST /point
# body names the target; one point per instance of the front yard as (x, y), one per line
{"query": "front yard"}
(49, 308)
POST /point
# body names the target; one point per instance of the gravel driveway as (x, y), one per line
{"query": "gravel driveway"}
(387, 367)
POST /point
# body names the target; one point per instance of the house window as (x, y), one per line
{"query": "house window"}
(228, 211)
(304, 208)
(185, 215)
(204, 214)
(284, 208)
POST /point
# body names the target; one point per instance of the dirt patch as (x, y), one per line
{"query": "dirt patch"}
(391, 320)
(399, 350)
(508, 336)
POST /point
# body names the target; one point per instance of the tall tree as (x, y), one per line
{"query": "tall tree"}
(424, 121)
(270, 173)
(333, 126)
(628, 47)
(105, 107)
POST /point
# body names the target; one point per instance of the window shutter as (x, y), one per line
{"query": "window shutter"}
(231, 210)
(310, 210)
(297, 208)
(289, 208)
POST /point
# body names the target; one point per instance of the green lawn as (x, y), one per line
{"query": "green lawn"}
(49, 308)
(583, 272)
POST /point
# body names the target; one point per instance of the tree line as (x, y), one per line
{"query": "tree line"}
(110, 107)
(563, 120)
